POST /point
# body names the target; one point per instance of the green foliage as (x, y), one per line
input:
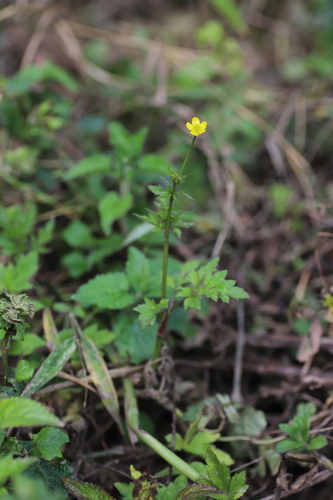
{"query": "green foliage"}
(85, 491)
(50, 367)
(15, 277)
(220, 484)
(20, 460)
(149, 310)
(47, 443)
(299, 432)
(112, 207)
(16, 412)
(109, 291)
(24, 488)
(206, 281)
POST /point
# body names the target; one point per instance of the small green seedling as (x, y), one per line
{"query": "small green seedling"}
(299, 432)
(220, 483)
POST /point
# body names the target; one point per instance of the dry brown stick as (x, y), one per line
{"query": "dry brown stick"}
(114, 373)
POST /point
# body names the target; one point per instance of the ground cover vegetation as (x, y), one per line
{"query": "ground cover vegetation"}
(165, 250)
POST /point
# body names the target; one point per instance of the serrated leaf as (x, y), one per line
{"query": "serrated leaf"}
(15, 277)
(138, 270)
(193, 303)
(316, 443)
(93, 165)
(106, 291)
(21, 412)
(101, 378)
(149, 310)
(237, 485)
(50, 473)
(170, 491)
(125, 490)
(47, 443)
(217, 471)
(112, 207)
(198, 490)
(85, 491)
(50, 367)
(190, 265)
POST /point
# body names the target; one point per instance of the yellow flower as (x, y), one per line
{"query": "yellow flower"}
(196, 127)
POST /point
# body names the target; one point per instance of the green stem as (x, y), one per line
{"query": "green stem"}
(168, 455)
(164, 321)
(188, 154)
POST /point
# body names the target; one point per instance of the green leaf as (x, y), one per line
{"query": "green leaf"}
(24, 370)
(78, 235)
(26, 77)
(237, 485)
(14, 277)
(125, 490)
(29, 344)
(193, 303)
(316, 443)
(51, 473)
(251, 422)
(138, 232)
(199, 490)
(47, 443)
(171, 491)
(137, 270)
(93, 165)
(132, 341)
(288, 445)
(231, 12)
(153, 163)
(200, 442)
(10, 466)
(101, 378)
(149, 310)
(85, 491)
(217, 471)
(21, 412)
(106, 291)
(112, 207)
(126, 144)
(50, 367)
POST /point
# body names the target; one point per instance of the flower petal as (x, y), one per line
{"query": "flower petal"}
(195, 121)
(189, 125)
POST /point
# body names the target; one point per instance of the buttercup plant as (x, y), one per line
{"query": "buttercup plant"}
(195, 280)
